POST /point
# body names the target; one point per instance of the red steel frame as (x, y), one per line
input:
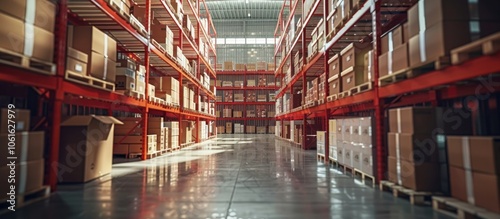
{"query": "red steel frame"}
(424, 88)
(244, 73)
(65, 92)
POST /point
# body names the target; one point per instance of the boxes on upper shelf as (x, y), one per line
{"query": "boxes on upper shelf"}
(76, 61)
(228, 66)
(100, 48)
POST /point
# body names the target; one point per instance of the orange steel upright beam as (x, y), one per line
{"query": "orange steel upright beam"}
(57, 95)
(146, 107)
(381, 160)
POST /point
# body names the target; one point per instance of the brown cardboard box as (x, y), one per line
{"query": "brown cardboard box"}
(417, 148)
(384, 43)
(43, 44)
(484, 154)
(124, 82)
(439, 40)
(353, 78)
(334, 66)
(486, 191)
(354, 55)
(97, 69)
(11, 39)
(261, 129)
(221, 129)
(250, 129)
(13, 8)
(334, 87)
(33, 177)
(400, 59)
(22, 119)
(165, 83)
(406, 34)
(29, 146)
(413, 120)
(90, 38)
(228, 66)
(76, 66)
(159, 33)
(397, 36)
(421, 177)
(458, 183)
(90, 140)
(229, 127)
(383, 64)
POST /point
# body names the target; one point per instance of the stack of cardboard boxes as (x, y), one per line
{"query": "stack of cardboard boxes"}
(350, 143)
(155, 127)
(261, 66)
(27, 146)
(320, 142)
(32, 36)
(240, 67)
(163, 37)
(261, 111)
(173, 135)
(353, 65)
(262, 81)
(125, 73)
(239, 96)
(415, 160)
(228, 96)
(227, 113)
(228, 66)
(251, 67)
(166, 88)
(229, 128)
(250, 129)
(100, 49)
(186, 134)
(131, 127)
(239, 128)
(321, 87)
(251, 96)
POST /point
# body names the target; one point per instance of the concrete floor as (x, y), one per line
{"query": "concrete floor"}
(233, 177)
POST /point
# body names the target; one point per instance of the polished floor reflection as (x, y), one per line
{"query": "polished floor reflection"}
(233, 177)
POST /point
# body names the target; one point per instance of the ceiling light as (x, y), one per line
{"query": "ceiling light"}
(248, 14)
(246, 1)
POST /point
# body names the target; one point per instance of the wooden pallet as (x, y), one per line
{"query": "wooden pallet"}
(460, 209)
(118, 10)
(361, 88)
(331, 98)
(486, 46)
(138, 26)
(344, 94)
(159, 46)
(345, 168)
(89, 81)
(415, 198)
(412, 72)
(135, 94)
(320, 157)
(26, 199)
(364, 177)
(21, 61)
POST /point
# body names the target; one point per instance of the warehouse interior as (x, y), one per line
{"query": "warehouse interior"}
(246, 109)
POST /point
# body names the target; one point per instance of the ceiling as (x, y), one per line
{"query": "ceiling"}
(241, 9)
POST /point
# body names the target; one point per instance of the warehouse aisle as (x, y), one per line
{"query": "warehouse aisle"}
(238, 176)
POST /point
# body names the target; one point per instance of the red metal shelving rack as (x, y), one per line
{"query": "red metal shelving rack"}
(378, 16)
(244, 73)
(61, 91)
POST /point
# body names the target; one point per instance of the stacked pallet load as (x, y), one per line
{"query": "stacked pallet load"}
(31, 43)
(28, 147)
(173, 135)
(101, 57)
(155, 127)
(353, 76)
(415, 160)
(334, 83)
(229, 128)
(125, 72)
(128, 138)
(320, 143)
(239, 128)
(166, 88)
(186, 132)
(163, 38)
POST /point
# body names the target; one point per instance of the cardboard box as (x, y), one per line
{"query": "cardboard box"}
(352, 78)
(44, 12)
(90, 39)
(412, 120)
(9, 34)
(438, 41)
(101, 68)
(482, 153)
(354, 55)
(29, 177)
(250, 129)
(261, 129)
(421, 177)
(334, 86)
(228, 66)
(76, 61)
(29, 146)
(400, 60)
(90, 139)
(486, 191)
(334, 66)
(221, 129)
(165, 83)
(415, 148)
(124, 82)
(22, 119)
(383, 64)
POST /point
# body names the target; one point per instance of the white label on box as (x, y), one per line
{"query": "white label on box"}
(78, 68)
